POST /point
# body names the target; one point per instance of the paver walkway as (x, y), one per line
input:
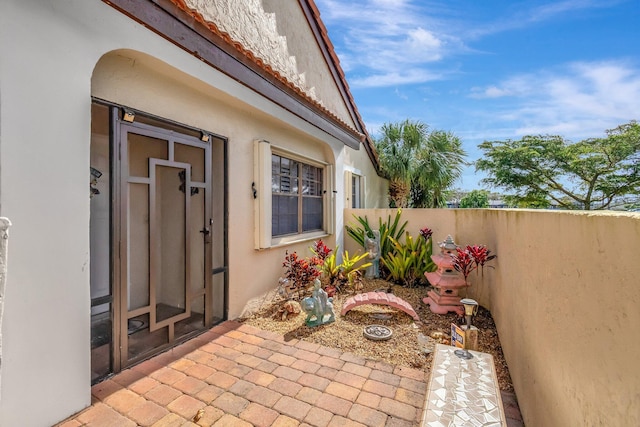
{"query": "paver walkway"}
(238, 375)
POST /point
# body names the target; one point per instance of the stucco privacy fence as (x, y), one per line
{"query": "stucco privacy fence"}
(564, 296)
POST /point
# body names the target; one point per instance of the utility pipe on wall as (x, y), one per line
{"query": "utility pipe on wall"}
(4, 245)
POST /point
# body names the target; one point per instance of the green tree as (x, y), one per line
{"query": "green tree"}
(596, 173)
(475, 199)
(421, 165)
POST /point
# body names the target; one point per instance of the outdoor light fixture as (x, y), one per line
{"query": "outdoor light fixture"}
(470, 310)
(95, 174)
(205, 137)
(128, 115)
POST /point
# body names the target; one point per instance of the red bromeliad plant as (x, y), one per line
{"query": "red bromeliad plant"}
(480, 255)
(426, 233)
(463, 262)
(471, 258)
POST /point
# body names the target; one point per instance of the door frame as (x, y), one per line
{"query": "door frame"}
(118, 130)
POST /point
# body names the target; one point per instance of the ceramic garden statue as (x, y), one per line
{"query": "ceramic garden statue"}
(317, 306)
(372, 246)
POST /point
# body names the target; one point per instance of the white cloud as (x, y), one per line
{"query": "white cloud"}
(392, 78)
(490, 92)
(387, 42)
(550, 10)
(392, 42)
(523, 15)
(400, 95)
(578, 100)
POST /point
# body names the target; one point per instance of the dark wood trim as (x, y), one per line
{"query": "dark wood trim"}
(170, 22)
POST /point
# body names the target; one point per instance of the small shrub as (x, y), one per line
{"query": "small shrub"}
(352, 270)
(408, 263)
(300, 272)
(391, 229)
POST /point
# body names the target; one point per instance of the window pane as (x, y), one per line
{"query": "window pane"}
(311, 213)
(284, 215)
(312, 184)
(285, 184)
(355, 191)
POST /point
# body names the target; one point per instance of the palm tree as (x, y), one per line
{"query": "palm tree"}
(438, 166)
(419, 164)
(395, 148)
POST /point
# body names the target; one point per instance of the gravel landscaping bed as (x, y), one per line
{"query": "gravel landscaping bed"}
(410, 344)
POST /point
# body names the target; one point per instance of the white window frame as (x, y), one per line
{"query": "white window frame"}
(349, 175)
(263, 196)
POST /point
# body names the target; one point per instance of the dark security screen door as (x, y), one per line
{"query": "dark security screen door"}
(165, 186)
(158, 236)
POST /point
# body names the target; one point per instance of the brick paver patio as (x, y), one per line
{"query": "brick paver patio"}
(238, 375)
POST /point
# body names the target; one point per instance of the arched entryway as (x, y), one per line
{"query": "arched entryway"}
(158, 233)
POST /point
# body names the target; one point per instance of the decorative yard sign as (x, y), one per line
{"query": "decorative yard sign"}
(457, 336)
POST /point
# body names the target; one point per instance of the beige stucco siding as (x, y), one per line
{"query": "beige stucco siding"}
(139, 81)
(277, 32)
(46, 86)
(376, 188)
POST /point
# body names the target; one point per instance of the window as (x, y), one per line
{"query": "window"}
(293, 193)
(296, 201)
(354, 190)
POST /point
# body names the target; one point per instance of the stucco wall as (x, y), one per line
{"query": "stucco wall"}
(142, 82)
(564, 295)
(44, 147)
(310, 62)
(47, 83)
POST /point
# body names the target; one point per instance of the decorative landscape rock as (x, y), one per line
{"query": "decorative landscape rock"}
(379, 298)
(289, 308)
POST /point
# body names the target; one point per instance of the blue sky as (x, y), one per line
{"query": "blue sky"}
(490, 69)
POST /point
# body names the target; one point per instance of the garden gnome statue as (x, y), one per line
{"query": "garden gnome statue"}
(318, 306)
(372, 245)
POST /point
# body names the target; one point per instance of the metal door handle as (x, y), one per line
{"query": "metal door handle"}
(206, 232)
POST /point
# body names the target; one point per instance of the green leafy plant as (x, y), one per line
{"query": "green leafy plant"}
(330, 269)
(537, 170)
(408, 263)
(389, 229)
(337, 275)
(351, 269)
